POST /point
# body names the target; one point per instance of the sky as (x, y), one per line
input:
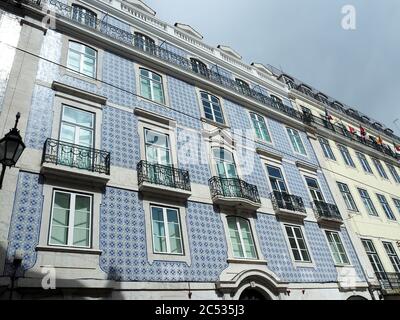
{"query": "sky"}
(305, 38)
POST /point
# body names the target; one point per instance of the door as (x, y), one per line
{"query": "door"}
(226, 170)
(76, 136)
(158, 155)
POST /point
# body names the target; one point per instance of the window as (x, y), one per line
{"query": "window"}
(315, 191)
(84, 16)
(82, 59)
(393, 172)
(364, 162)
(243, 86)
(397, 204)
(144, 42)
(71, 220)
(166, 229)
(297, 244)
(212, 107)
(346, 156)
(369, 205)
(348, 198)
(225, 163)
(337, 248)
(241, 238)
(326, 148)
(296, 141)
(151, 86)
(380, 168)
(199, 67)
(385, 206)
(76, 129)
(260, 127)
(373, 256)
(157, 147)
(394, 259)
(276, 178)
(276, 99)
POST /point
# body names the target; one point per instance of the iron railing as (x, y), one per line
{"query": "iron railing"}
(233, 188)
(76, 156)
(326, 210)
(158, 174)
(340, 129)
(283, 200)
(137, 42)
(389, 280)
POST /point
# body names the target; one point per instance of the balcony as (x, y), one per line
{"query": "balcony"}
(165, 180)
(342, 130)
(327, 213)
(64, 11)
(234, 192)
(71, 161)
(390, 282)
(288, 206)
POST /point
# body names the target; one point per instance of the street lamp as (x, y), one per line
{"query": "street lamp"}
(11, 148)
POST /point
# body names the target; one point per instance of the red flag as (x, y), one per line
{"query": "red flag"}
(396, 146)
(362, 131)
(352, 130)
(328, 116)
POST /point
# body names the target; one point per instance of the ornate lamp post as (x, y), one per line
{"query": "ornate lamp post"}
(11, 148)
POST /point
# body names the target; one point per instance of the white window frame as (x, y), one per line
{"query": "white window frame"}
(259, 118)
(396, 203)
(355, 209)
(81, 54)
(346, 156)
(370, 205)
(171, 158)
(297, 146)
(341, 262)
(325, 145)
(298, 263)
(393, 256)
(362, 158)
(209, 95)
(237, 218)
(149, 201)
(381, 170)
(394, 172)
(377, 259)
(164, 81)
(71, 219)
(383, 203)
(166, 228)
(152, 81)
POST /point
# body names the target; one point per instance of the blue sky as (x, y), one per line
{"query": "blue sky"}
(305, 38)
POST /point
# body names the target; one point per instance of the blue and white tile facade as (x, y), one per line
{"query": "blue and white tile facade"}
(122, 221)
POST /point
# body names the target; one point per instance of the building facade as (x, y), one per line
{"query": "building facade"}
(360, 159)
(157, 166)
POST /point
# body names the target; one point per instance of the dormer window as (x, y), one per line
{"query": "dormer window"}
(243, 85)
(322, 98)
(84, 16)
(276, 99)
(144, 42)
(199, 67)
(306, 90)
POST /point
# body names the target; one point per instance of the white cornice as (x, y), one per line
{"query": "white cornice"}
(229, 51)
(188, 29)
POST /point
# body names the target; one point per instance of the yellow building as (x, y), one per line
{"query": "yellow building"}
(361, 163)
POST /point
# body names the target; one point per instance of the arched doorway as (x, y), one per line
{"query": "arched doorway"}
(356, 298)
(253, 294)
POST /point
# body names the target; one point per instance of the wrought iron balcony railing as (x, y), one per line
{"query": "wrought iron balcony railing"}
(326, 210)
(233, 188)
(137, 42)
(76, 156)
(310, 119)
(163, 175)
(283, 200)
(389, 281)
